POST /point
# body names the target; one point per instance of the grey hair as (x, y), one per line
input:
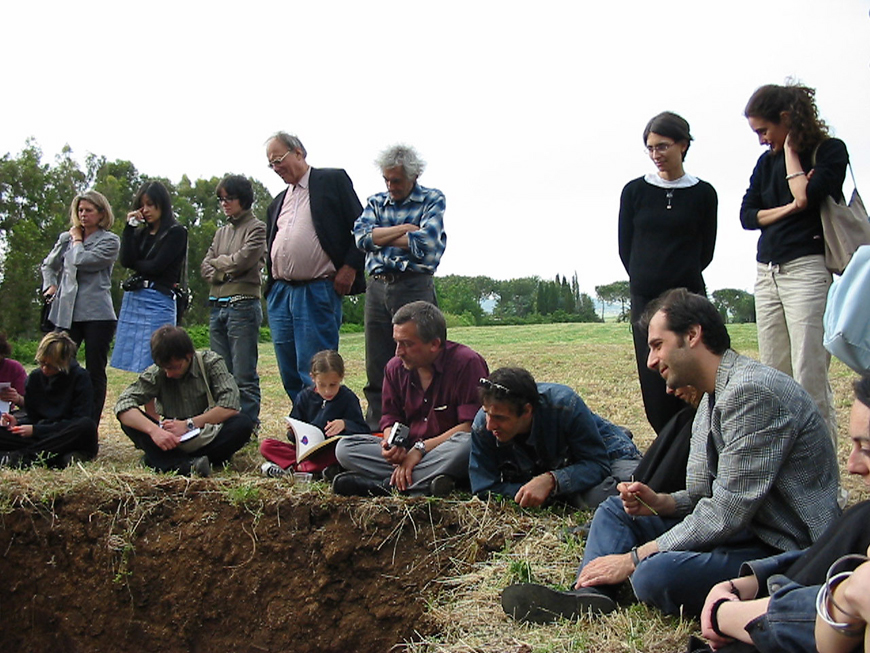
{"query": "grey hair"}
(292, 142)
(402, 155)
(429, 320)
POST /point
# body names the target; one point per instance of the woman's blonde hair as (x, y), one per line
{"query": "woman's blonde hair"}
(56, 349)
(107, 218)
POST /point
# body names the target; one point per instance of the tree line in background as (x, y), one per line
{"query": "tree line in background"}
(735, 306)
(34, 209)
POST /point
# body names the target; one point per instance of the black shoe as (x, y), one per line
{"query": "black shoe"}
(13, 459)
(351, 484)
(200, 466)
(441, 485)
(73, 457)
(331, 472)
(530, 603)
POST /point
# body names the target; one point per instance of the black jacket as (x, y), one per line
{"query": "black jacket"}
(334, 208)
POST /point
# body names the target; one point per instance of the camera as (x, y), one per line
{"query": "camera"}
(400, 436)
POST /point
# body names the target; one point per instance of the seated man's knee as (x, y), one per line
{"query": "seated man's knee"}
(650, 579)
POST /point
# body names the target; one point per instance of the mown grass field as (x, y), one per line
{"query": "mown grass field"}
(596, 360)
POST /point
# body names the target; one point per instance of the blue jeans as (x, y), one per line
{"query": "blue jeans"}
(304, 320)
(234, 331)
(670, 580)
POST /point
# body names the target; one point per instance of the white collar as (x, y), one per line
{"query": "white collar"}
(685, 181)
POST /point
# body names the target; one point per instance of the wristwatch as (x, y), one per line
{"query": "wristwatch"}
(420, 446)
(190, 425)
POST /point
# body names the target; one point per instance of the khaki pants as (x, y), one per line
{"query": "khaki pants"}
(789, 308)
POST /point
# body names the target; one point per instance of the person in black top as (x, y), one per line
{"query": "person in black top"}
(802, 167)
(154, 248)
(667, 234)
(58, 426)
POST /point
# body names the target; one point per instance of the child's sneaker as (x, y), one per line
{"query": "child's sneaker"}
(272, 470)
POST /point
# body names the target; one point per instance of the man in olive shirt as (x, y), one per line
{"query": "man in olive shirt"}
(195, 394)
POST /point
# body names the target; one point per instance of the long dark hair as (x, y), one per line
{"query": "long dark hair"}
(158, 194)
(806, 129)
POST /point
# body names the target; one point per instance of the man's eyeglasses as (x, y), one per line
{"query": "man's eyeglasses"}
(226, 199)
(495, 387)
(275, 162)
(659, 148)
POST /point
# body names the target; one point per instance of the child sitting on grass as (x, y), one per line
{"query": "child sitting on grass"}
(328, 405)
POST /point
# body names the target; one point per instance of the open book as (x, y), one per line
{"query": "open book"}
(309, 438)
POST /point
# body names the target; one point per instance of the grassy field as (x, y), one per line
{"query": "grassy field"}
(596, 360)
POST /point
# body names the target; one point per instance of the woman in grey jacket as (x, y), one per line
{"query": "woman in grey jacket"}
(77, 276)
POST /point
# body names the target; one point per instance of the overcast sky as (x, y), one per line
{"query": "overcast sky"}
(530, 115)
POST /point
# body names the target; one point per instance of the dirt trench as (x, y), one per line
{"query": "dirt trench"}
(179, 565)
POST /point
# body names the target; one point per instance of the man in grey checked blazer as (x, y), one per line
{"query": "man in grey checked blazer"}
(762, 478)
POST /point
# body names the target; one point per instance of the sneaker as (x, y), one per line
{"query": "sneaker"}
(441, 485)
(351, 484)
(331, 472)
(530, 603)
(200, 466)
(272, 470)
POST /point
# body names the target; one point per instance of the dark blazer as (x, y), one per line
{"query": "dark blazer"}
(334, 209)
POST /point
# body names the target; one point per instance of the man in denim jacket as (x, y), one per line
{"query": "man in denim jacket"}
(537, 442)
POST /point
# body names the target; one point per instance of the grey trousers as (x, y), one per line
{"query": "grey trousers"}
(382, 301)
(362, 454)
(620, 471)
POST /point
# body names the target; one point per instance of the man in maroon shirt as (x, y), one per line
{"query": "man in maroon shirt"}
(430, 386)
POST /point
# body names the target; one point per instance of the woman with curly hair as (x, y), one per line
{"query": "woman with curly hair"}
(802, 167)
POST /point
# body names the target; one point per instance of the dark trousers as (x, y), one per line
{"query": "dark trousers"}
(97, 336)
(382, 301)
(660, 407)
(79, 435)
(233, 435)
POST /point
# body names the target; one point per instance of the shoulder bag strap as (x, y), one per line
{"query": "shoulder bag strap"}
(199, 360)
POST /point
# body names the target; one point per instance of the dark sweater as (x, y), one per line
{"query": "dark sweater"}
(158, 258)
(310, 407)
(799, 234)
(665, 248)
(52, 400)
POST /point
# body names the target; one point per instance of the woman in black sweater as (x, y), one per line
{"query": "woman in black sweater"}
(667, 234)
(57, 427)
(153, 247)
(802, 167)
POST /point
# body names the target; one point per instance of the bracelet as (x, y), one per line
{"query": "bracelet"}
(714, 617)
(826, 592)
(795, 174)
(734, 590)
(635, 558)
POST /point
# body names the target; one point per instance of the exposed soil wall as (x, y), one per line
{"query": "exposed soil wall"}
(180, 565)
